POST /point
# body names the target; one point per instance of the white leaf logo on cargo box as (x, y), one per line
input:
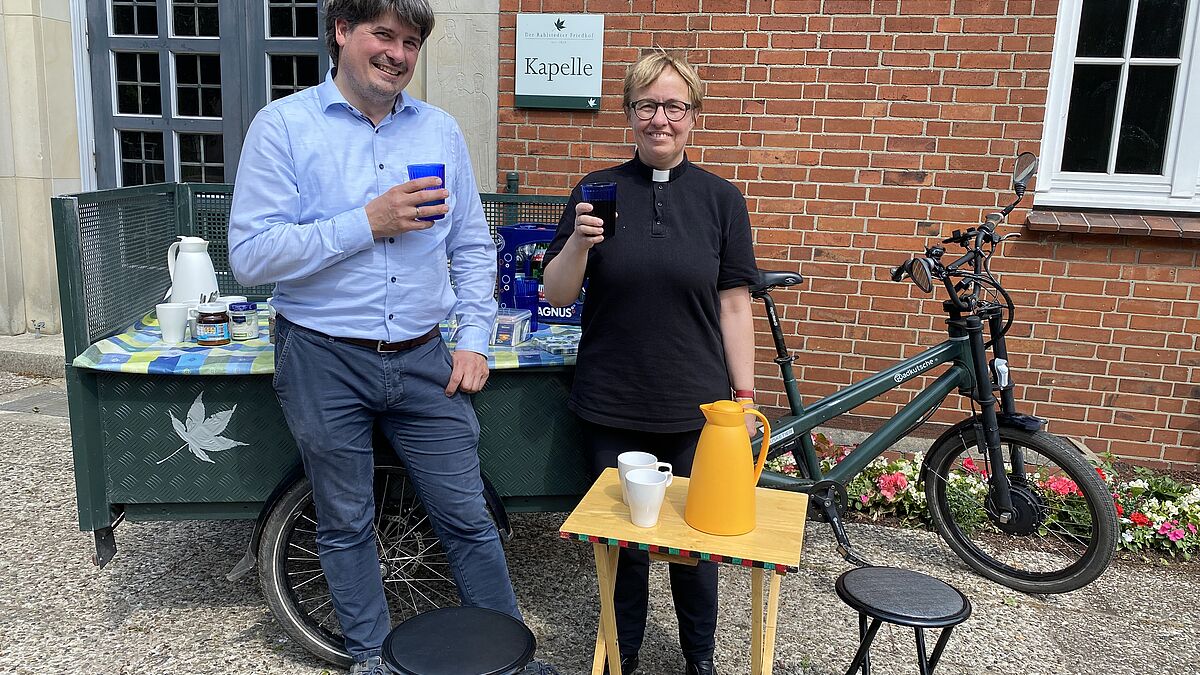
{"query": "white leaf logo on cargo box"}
(202, 434)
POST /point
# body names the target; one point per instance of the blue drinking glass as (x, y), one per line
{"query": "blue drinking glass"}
(416, 171)
(603, 198)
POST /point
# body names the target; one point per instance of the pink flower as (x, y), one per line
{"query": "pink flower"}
(1176, 534)
(1191, 528)
(1063, 486)
(1167, 526)
(865, 497)
(891, 483)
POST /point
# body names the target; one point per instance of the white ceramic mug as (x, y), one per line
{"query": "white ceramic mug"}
(647, 488)
(172, 320)
(191, 328)
(628, 461)
(228, 300)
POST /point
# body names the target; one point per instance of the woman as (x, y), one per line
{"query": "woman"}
(667, 322)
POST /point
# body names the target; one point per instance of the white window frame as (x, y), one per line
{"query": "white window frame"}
(1178, 189)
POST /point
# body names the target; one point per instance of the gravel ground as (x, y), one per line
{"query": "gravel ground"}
(164, 606)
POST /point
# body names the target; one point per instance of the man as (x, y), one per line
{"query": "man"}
(324, 209)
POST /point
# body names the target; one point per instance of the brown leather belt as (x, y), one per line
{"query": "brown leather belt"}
(385, 347)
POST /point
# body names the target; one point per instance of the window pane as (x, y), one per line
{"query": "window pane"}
(141, 157)
(151, 101)
(291, 73)
(210, 21)
(127, 67)
(1146, 119)
(185, 21)
(1090, 118)
(134, 17)
(292, 19)
(196, 18)
(210, 69)
(1159, 28)
(306, 21)
(188, 102)
(137, 83)
(1102, 28)
(201, 158)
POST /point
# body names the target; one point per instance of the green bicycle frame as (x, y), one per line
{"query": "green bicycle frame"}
(960, 376)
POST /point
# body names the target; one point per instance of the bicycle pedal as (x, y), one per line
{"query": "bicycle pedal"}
(851, 556)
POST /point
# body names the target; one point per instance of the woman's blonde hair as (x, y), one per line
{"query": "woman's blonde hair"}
(647, 69)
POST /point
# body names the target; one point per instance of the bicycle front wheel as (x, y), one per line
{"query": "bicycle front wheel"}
(415, 570)
(1064, 528)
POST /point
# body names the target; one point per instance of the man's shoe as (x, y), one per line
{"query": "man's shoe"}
(539, 668)
(701, 668)
(372, 666)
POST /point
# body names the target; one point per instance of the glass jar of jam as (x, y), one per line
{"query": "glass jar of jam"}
(212, 324)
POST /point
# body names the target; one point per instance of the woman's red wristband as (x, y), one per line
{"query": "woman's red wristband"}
(743, 393)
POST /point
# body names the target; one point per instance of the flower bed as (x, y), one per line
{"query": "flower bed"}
(1158, 513)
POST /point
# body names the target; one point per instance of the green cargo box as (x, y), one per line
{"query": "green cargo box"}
(111, 248)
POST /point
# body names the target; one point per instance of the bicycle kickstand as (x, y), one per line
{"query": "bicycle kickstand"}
(829, 498)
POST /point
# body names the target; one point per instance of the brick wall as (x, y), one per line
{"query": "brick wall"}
(860, 130)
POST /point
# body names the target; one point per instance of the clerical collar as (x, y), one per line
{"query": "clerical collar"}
(660, 175)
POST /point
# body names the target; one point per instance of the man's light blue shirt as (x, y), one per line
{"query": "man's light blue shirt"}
(309, 165)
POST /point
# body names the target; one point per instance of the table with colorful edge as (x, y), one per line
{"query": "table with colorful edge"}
(771, 548)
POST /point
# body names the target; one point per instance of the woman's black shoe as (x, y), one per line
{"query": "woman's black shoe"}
(629, 665)
(701, 668)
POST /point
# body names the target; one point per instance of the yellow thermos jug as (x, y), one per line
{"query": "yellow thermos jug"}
(720, 498)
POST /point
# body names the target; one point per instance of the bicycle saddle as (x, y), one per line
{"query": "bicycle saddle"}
(768, 280)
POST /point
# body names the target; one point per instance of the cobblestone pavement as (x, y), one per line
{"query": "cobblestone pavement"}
(164, 606)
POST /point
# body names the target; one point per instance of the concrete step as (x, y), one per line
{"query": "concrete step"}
(30, 354)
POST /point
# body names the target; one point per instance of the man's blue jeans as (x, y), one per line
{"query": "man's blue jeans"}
(333, 393)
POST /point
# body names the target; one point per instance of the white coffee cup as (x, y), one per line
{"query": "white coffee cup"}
(173, 320)
(628, 461)
(192, 305)
(230, 299)
(647, 488)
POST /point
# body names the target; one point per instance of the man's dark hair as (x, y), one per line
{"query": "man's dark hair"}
(415, 13)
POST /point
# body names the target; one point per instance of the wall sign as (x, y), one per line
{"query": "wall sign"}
(560, 59)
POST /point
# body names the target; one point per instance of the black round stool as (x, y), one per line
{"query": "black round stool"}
(459, 641)
(904, 598)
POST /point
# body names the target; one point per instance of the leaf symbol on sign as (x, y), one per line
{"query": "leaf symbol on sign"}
(591, 103)
(202, 435)
(560, 24)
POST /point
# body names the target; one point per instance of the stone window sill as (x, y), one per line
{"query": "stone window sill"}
(1099, 222)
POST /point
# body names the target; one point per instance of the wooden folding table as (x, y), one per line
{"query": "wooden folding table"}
(772, 547)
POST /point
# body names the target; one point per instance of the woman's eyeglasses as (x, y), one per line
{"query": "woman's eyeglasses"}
(645, 109)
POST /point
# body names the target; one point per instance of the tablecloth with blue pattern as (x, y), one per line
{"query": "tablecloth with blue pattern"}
(140, 349)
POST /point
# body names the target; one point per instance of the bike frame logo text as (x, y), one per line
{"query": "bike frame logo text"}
(915, 370)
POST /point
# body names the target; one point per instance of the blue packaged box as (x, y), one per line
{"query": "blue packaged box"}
(519, 252)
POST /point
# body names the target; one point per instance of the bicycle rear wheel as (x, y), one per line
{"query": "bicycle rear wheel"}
(1064, 530)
